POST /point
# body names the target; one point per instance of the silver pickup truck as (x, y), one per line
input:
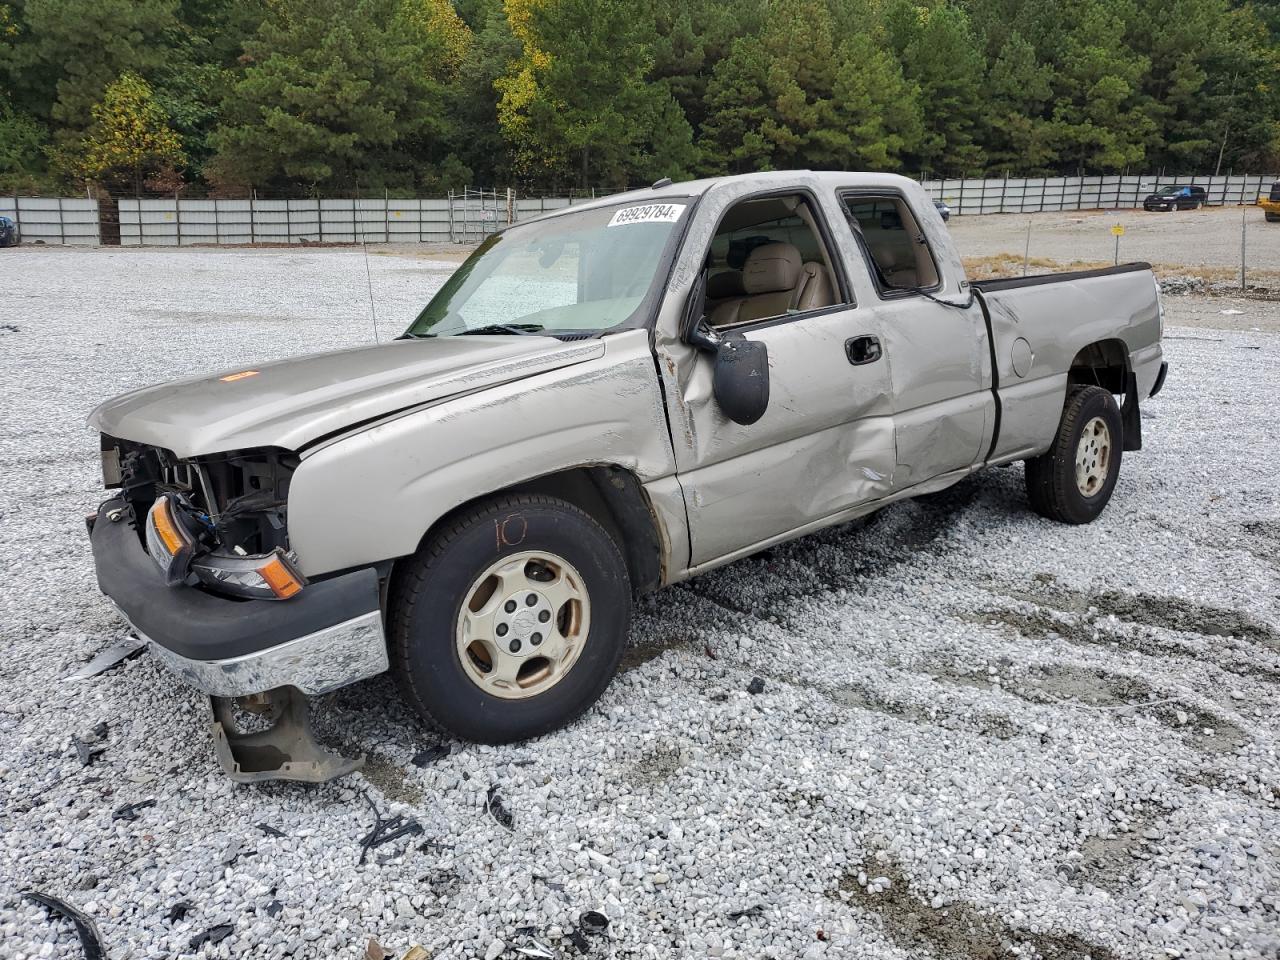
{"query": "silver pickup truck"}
(597, 403)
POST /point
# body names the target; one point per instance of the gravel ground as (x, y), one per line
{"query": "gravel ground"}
(980, 734)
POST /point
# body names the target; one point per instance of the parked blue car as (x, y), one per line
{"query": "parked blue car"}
(8, 232)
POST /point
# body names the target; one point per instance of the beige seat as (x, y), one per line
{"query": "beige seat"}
(776, 280)
(896, 264)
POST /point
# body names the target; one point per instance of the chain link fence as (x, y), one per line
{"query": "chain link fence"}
(470, 215)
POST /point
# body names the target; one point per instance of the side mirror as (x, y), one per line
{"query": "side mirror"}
(740, 380)
(740, 375)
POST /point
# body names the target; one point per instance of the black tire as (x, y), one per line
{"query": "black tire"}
(1273, 218)
(1051, 477)
(429, 588)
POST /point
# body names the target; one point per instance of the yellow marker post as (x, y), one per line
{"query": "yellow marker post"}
(1117, 231)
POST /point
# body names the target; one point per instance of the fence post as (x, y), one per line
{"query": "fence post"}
(1244, 225)
(1044, 185)
(386, 216)
(1004, 188)
(62, 233)
(253, 218)
(177, 216)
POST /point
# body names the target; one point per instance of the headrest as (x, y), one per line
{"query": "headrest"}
(722, 286)
(771, 268)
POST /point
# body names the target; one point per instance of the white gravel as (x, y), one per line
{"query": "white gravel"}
(981, 734)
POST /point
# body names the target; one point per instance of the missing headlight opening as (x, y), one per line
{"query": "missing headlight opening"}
(234, 505)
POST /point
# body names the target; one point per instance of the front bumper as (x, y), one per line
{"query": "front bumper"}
(328, 636)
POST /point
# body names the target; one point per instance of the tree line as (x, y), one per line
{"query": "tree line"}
(311, 97)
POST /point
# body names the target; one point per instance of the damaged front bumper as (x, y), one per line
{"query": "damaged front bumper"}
(262, 656)
(326, 637)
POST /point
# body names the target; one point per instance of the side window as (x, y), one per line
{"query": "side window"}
(767, 260)
(896, 248)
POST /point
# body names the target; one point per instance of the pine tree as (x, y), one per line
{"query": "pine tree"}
(337, 94)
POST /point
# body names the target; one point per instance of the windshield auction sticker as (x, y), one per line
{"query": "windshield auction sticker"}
(649, 213)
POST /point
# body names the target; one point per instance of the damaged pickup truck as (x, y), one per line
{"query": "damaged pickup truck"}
(599, 402)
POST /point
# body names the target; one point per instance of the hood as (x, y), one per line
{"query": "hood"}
(290, 403)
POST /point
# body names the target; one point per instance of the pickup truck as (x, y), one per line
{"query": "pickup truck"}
(599, 402)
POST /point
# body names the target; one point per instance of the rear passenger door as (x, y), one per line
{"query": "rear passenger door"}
(942, 403)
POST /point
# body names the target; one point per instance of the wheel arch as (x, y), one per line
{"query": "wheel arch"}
(611, 495)
(1103, 363)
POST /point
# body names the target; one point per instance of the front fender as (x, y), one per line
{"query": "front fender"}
(370, 496)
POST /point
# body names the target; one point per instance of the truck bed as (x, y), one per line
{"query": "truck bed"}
(1039, 324)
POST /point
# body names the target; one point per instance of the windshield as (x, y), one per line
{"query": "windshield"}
(1168, 191)
(582, 271)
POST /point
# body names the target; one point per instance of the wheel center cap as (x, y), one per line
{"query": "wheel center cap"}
(525, 621)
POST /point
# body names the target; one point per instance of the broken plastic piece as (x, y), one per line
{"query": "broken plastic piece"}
(754, 910)
(498, 810)
(108, 658)
(375, 951)
(179, 911)
(416, 953)
(85, 928)
(285, 751)
(429, 755)
(212, 935)
(274, 908)
(384, 831)
(270, 831)
(593, 923)
(580, 943)
(130, 810)
(756, 686)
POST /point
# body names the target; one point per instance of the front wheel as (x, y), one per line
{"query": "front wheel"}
(1073, 481)
(510, 622)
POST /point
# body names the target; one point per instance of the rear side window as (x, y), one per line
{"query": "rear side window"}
(895, 247)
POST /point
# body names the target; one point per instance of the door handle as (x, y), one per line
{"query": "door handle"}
(860, 350)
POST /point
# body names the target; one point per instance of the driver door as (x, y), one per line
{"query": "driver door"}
(825, 444)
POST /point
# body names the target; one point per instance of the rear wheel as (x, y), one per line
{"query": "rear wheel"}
(1073, 481)
(510, 622)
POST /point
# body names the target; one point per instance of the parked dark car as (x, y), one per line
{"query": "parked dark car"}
(8, 232)
(943, 209)
(1176, 198)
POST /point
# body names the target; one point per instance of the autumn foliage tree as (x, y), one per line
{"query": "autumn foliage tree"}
(130, 139)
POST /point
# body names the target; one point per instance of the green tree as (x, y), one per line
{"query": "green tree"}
(940, 55)
(577, 104)
(805, 94)
(335, 93)
(1019, 90)
(130, 136)
(72, 49)
(22, 150)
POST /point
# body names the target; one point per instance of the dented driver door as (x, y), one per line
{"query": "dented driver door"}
(824, 446)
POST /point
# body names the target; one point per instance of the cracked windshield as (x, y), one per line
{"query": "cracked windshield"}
(585, 271)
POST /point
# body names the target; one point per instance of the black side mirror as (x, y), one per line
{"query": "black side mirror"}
(740, 380)
(740, 376)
